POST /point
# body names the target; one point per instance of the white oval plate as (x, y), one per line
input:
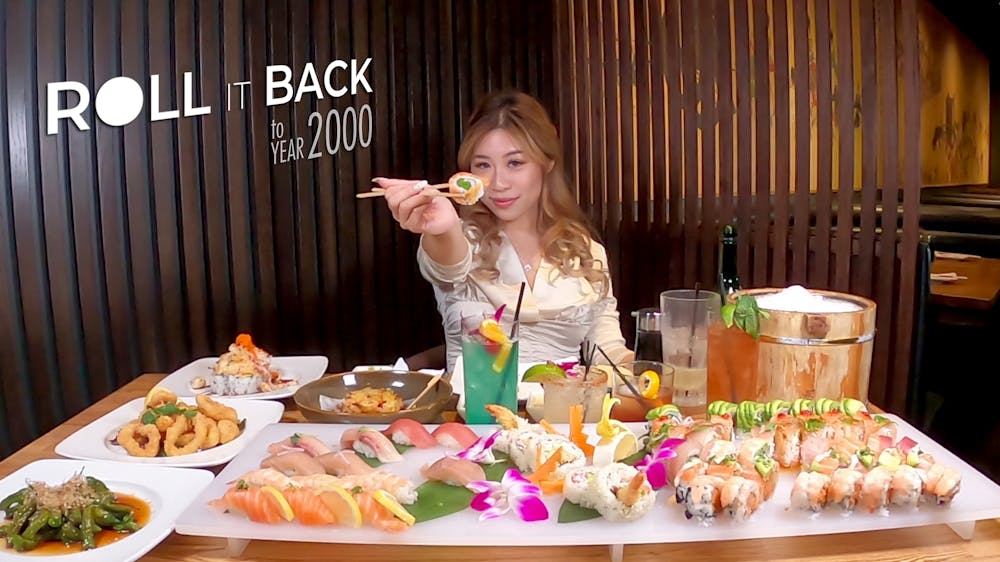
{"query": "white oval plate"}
(93, 442)
(168, 491)
(301, 368)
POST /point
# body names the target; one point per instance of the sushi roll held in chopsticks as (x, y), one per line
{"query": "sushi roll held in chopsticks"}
(470, 186)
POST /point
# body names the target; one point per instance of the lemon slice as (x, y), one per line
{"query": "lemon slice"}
(390, 503)
(286, 509)
(343, 505)
(649, 383)
(502, 356)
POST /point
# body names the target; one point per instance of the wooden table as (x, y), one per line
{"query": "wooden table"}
(979, 292)
(920, 543)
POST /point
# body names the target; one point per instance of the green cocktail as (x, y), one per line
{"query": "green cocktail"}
(490, 369)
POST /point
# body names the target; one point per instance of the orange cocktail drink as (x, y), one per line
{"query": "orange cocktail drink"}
(732, 364)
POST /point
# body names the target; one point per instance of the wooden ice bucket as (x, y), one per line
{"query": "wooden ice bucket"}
(814, 354)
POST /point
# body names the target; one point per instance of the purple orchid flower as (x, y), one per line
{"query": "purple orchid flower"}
(655, 467)
(514, 491)
(567, 365)
(481, 451)
(499, 313)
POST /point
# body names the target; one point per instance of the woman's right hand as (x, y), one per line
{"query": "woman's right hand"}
(415, 211)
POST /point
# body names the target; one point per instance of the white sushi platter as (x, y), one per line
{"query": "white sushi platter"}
(978, 499)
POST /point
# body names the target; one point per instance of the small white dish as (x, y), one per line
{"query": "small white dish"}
(302, 369)
(94, 441)
(168, 491)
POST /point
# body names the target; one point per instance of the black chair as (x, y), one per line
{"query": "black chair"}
(433, 358)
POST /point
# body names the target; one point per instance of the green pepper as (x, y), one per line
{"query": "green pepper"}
(55, 520)
(117, 508)
(22, 544)
(96, 485)
(13, 500)
(37, 520)
(103, 517)
(75, 515)
(70, 532)
(88, 528)
(21, 515)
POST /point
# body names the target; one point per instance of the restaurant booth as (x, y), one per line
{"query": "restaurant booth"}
(176, 174)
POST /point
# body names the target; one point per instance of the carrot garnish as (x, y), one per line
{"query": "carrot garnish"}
(576, 434)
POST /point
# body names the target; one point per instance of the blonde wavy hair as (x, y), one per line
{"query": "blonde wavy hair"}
(564, 230)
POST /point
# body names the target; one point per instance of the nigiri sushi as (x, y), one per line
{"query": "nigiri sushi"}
(341, 463)
(308, 507)
(267, 477)
(259, 503)
(450, 470)
(294, 463)
(454, 435)
(299, 443)
(371, 443)
(405, 431)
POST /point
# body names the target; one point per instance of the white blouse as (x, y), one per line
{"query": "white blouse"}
(557, 314)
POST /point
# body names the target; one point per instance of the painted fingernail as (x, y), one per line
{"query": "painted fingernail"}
(377, 179)
(420, 185)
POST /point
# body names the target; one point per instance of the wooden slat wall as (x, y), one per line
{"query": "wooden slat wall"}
(754, 118)
(139, 248)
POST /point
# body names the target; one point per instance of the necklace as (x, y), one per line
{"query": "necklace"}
(527, 267)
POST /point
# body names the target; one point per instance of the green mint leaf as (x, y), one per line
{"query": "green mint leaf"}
(727, 314)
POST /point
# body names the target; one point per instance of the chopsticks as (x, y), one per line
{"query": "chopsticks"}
(429, 189)
(430, 385)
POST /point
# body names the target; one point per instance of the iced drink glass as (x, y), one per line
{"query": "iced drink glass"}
(631, 408)
(490, 369)
(579, 387)
(684, 325)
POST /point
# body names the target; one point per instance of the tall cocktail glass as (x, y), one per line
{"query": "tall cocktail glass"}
(687, 315)
(489, 367)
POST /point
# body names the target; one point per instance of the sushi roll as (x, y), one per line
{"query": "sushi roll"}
(787, 441)
(243, 369)
(703, 499)
(740, 497)
(752, 449)
(875, 489)
(621, 493)
(942, 484)
(576, 486)
(845, 488)
(682, 483)
(906, 487)
(546, 445)
(718, 450)
(810, 491)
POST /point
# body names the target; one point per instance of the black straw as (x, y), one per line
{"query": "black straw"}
(694, 320)
(517, 309)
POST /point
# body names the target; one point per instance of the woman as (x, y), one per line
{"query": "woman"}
(526, 228)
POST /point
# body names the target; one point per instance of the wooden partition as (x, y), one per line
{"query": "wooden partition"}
(796, 119)
(139, 248)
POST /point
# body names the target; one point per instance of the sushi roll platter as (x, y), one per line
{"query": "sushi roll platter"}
(521, 483)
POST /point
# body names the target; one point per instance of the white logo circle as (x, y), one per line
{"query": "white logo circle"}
(119, 101)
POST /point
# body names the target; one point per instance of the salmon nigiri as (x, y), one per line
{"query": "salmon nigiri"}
(377, 515)
(309, 508)
(261, 504)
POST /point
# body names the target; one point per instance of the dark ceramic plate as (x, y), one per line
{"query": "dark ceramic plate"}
(407, 384)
